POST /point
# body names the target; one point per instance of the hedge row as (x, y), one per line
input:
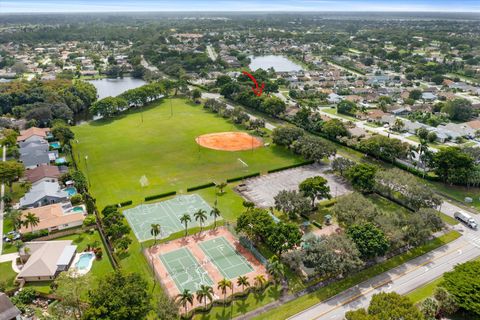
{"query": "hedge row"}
(30, 236)
(161, 195)
(256, 174)
(126, 203)
(317, 224)
(292, 166)
(202, 186)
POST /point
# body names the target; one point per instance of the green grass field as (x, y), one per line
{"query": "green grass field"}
(163, 148)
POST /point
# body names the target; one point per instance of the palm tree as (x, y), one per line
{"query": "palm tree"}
(185, 219)
(155, 231)
(215, 213)
(202, 216)
(243, 281)
(185, 298)
(31, 220)
(15, 216)
(223, 285)
(275, 268)
(260, 281)
(19, 245)
(221, 186)
(205, 293)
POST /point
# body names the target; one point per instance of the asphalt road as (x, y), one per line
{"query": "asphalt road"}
(404, 278)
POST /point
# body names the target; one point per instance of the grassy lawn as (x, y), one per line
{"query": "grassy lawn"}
(458, 193)
(324, 293)
(7, 275)
(333, 111)
(239, 307)
(163, 148)
(7, 246)
(425, 291)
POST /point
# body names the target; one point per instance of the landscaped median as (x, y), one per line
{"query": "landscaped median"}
(306, 301)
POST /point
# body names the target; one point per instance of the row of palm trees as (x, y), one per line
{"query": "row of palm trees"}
(30, 220)
(205, 293)
(200, 216)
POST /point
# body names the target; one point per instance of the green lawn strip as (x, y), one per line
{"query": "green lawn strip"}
(425, 291)
(8, 247)
(333, 111)
(324, 293)
(458, 193)
(447, 219)
(122, 150)
(7, 275)
(42, 287)
(239, 307)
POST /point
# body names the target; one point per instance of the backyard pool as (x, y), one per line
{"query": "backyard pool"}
(84, 262)
(71, 192)
(55, 145)
(61, 160)
(77, 209)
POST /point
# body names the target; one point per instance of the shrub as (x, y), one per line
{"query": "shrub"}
(161, 195)
(90, 220)
(202, 186)
(256, 174)
(126, 203)
(291, 166)
(98, 253)
(26, 295)
(317, 224)
(30, 236)
(76, 199)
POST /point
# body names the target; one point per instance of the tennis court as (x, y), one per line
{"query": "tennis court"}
(228, 261)
(167, 214)
(184, 269)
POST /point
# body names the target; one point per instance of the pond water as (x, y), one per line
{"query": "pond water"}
(114, 87)
(279, 63)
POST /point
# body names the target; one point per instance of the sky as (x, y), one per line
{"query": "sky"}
(30, 6)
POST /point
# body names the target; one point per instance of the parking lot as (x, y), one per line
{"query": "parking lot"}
(263, 189)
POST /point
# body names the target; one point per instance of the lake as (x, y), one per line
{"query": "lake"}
(279, 63)
(114, 87)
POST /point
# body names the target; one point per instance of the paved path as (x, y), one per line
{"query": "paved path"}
(8, 257)
(2, 193)
(404, 278)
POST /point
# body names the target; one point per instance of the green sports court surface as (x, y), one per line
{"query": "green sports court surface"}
(228, 261)
(167, 214)
(184, 269)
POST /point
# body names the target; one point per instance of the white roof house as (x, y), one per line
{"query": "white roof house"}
(46, 259)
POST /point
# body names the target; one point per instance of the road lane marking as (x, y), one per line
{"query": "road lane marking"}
(381, 284)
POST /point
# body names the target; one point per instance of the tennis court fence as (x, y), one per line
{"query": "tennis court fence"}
(247, 244)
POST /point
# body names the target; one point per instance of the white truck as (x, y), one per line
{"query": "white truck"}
(465, 218)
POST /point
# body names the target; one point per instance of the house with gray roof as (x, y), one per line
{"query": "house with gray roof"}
(42, 194)
(8, 311)
(35, 153)
(46, 259)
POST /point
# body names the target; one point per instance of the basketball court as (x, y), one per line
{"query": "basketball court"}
(167, 214)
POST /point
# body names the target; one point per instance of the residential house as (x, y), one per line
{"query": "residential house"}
(375, 115)
(42, 194)
(8, 311)
(334, 98)
(455, 131)
(45, 259)
(428, 96)
(43, 172)
(55, 217)
(34, 134)
(34, 153)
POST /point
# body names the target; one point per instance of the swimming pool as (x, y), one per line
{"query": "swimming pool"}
(55, 145)
(77, 209)
(84, 262)
(61, 160)
(71, 191)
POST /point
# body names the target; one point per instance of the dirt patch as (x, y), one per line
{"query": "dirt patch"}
(229, 141)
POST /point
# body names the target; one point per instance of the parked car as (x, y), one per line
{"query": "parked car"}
(12, 236)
